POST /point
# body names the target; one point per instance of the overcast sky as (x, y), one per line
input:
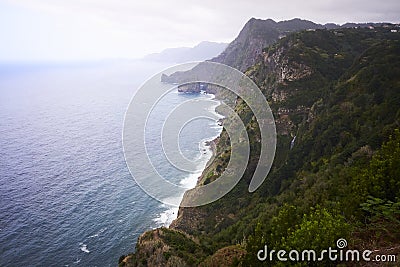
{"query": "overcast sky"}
(49, 30)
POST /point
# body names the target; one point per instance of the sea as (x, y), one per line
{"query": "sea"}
(66, 195)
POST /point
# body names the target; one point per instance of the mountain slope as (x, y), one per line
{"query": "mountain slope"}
(338, 92)
(200, 52)
(247, 48)
(256, 34)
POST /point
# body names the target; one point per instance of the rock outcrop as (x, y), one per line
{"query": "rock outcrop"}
(298, 75)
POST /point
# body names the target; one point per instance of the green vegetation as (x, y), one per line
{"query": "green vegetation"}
(340, 96)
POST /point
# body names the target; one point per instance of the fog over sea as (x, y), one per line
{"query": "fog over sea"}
(66, 195)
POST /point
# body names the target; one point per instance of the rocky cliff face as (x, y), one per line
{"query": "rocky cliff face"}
(152, 246)
(281, 71)
(244, 51)
(257, 34)
(298, 74)
(247, 48)
(198, 87)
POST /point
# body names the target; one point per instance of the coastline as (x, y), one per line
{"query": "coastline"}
(170, 214)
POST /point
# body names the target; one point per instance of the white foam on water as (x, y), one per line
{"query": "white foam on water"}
(166, 217)
(217, 127)
(98, 233)
(84, 248)
(92, 236)
(170, 213)
(190, 181)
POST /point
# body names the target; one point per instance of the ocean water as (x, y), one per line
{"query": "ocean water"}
(66, 195)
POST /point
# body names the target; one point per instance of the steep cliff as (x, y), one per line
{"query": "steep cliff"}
(247, 48)
(335, 97)
(256, 34)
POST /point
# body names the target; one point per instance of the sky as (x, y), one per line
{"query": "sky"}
(71, 30)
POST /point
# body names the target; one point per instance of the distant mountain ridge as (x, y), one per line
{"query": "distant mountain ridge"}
(203, 51)
(247, 48)
(334, 92)
(257, 34)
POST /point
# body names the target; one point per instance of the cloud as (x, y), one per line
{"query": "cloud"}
(120, 28)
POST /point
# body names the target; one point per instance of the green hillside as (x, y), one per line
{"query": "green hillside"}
(335, 95)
